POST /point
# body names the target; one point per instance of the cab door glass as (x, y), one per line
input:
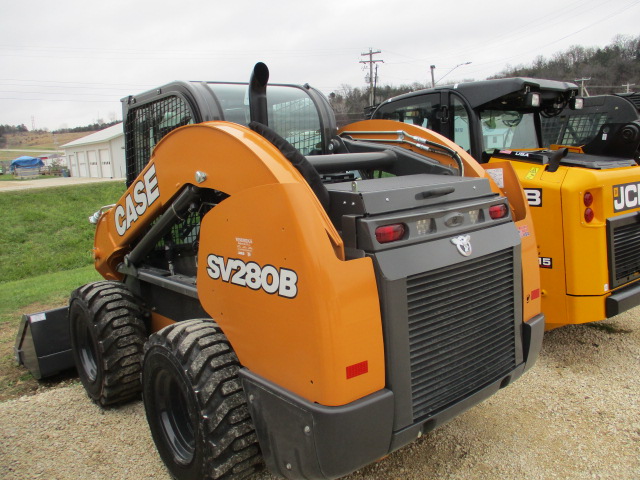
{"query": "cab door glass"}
(420, 110)
(461, 130)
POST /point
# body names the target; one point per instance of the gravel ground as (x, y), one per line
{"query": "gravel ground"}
(575, 415)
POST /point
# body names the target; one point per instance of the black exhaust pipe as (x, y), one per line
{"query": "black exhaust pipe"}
(258, 94)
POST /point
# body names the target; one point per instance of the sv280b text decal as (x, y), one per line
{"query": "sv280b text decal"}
(272, 280)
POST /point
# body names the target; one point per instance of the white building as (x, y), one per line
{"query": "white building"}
(100, 154)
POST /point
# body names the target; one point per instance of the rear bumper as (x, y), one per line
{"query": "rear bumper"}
(622, 300)
(532, 334)
(303, 440)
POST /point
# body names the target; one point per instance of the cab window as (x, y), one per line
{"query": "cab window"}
(508, 129)
(461, 131)
(292, 113)
(145, 126)
(419, 110)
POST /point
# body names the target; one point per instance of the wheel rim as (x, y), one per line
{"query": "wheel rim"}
(86, 351)
(173, 417)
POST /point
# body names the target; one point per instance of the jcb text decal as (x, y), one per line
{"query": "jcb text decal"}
(626, 196)
(272, 280)
(145, 192)
(534, 196)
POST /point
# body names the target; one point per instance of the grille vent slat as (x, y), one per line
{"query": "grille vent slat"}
(454, 306)
(626, 253)
(448, 394)
(461, 330)
(466, 366)
(432, 339)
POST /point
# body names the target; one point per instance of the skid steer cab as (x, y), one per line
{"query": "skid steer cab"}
(585, 199)
(284, 293)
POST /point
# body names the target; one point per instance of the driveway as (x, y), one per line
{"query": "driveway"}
(52, 182)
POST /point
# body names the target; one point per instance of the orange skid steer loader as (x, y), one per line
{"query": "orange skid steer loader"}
(296, 296)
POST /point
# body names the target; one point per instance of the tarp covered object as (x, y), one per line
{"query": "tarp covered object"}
(26, 162)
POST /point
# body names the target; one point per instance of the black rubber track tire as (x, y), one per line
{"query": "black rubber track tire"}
(108, 332)
(195, 405)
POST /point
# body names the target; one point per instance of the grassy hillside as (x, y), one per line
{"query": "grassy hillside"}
(43, 140)
(47, 230)
(45, 252)
(33, 143)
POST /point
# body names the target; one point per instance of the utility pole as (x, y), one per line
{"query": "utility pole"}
(371, 62)
(628, 86)
(583, 89)
(433, 79)
(375, 86)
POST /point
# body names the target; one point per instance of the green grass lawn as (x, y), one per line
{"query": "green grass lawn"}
(45, 253)
(47, 230)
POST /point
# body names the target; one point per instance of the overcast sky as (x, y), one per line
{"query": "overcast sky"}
(67, 63)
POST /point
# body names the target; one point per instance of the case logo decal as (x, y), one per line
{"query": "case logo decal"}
(625, 196)
(272, 280)
(463, 243)
(534, 196)
(145, 192)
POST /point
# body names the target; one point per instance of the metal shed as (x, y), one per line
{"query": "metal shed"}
(99, 155)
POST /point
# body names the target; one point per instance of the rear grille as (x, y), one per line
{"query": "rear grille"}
(461, 330)
(624, 249)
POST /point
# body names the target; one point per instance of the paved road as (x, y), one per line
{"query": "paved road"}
(52, 182)
(30, 150)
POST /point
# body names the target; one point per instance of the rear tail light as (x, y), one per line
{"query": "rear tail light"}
(588, 215)
(390, 233)
(498, 211)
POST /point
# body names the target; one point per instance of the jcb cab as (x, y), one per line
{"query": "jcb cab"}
(584, 200)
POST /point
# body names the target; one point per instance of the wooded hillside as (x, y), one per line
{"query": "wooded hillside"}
(609, 69)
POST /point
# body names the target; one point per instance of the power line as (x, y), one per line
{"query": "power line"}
(538, 47)
(59, 93)
(73, 100)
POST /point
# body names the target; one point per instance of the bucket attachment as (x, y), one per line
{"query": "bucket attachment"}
(43, 344)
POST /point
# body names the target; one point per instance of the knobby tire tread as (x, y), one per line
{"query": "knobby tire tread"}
(211, 365)
(121, 332)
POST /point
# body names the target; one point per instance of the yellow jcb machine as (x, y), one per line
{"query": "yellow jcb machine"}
(292, 294)
(585, 201)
